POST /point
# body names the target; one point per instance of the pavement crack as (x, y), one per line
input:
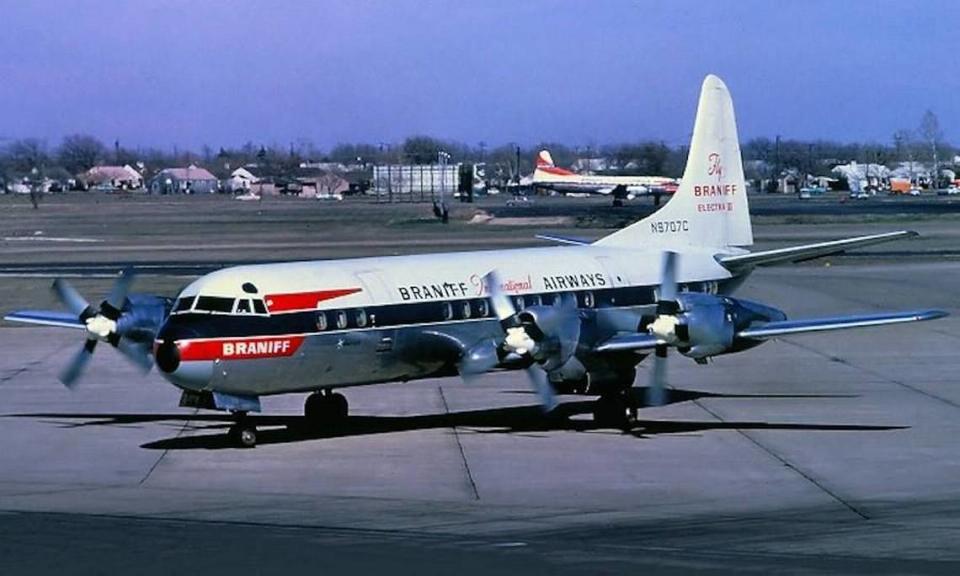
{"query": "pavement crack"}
(463, 455)
(874, 373)
(809, 478)
(183, 428)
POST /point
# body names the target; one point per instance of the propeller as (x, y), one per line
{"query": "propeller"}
(666, 326)
(104, 323)
(547, 335)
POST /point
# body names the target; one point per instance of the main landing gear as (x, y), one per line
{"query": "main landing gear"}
(614, 410)
(325, 408)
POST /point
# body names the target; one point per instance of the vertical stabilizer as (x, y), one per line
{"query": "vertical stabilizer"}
(709, 207)
(544, 159)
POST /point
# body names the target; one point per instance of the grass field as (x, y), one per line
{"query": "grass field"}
(138, 229)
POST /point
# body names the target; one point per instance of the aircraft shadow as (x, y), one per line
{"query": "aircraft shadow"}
(285, 429)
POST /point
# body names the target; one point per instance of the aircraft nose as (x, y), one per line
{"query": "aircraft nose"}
(167, 355)
(181, 370)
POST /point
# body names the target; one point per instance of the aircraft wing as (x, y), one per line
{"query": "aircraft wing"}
(640, 342)
(738, 262)
(46, 318)
(788, 327)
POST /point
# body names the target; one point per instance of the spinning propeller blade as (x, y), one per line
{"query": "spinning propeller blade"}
(505, 310)
(666, 304)
(101, 325)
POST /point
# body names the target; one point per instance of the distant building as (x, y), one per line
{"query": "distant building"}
(116, 177)
(241, 180)
(323, 185)
(415, 182)
(864, 177)
(189, 180)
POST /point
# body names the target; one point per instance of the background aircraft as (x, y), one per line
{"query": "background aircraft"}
(575, 318)
(548, 176)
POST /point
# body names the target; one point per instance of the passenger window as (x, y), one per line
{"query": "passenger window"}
(587, 299)
(518, 303)
(361, 318)
(341, 319)
(321, 321)
(259, 307)
(482, 309)
(465, 310)
(447, 311)
(243, 306)
(554, 299)
(533, 300)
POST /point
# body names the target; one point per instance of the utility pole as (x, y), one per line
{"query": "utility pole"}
(776, 168)
(517, 176)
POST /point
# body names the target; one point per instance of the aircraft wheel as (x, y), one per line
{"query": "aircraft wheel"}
(325, 409)
(244, 435)
(611, 411)
(313, 408)
(338, 407)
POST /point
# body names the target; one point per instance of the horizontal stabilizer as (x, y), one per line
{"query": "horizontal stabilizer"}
(46, 318)
(564, 240)
(788, 327)
(739, 262)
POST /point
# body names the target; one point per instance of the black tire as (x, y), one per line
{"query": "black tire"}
(611, 411)
(325, 409)
(313, 408)
(339, 408)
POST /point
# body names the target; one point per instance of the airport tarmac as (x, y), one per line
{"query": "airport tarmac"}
(832, 453)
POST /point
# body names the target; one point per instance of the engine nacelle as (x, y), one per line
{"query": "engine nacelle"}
(707, 324)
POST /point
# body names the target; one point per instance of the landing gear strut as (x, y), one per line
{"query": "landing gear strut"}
(243, 433)
(325, 408)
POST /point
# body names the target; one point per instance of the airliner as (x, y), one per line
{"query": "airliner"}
(548, 175)
(577, 317)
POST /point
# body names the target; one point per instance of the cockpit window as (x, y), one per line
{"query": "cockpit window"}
(243, 306)
(184, 304)
(259, 307)
(214, 304)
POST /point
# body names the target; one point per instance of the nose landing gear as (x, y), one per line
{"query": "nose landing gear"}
(243, 433)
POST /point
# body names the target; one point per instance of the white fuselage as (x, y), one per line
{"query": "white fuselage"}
(565, 181)
(298, 326)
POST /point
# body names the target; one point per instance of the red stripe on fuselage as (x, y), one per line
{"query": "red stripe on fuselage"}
(304, 300)
(555, 171)
(239, 348)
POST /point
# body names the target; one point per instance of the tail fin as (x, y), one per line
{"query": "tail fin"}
(710, 206)
(544, 159)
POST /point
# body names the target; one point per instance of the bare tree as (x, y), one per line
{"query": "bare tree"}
(80, 152)
(28, 154)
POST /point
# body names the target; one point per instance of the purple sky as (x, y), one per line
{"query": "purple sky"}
(188, 73)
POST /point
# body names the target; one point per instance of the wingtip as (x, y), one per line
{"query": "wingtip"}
(932, 314)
